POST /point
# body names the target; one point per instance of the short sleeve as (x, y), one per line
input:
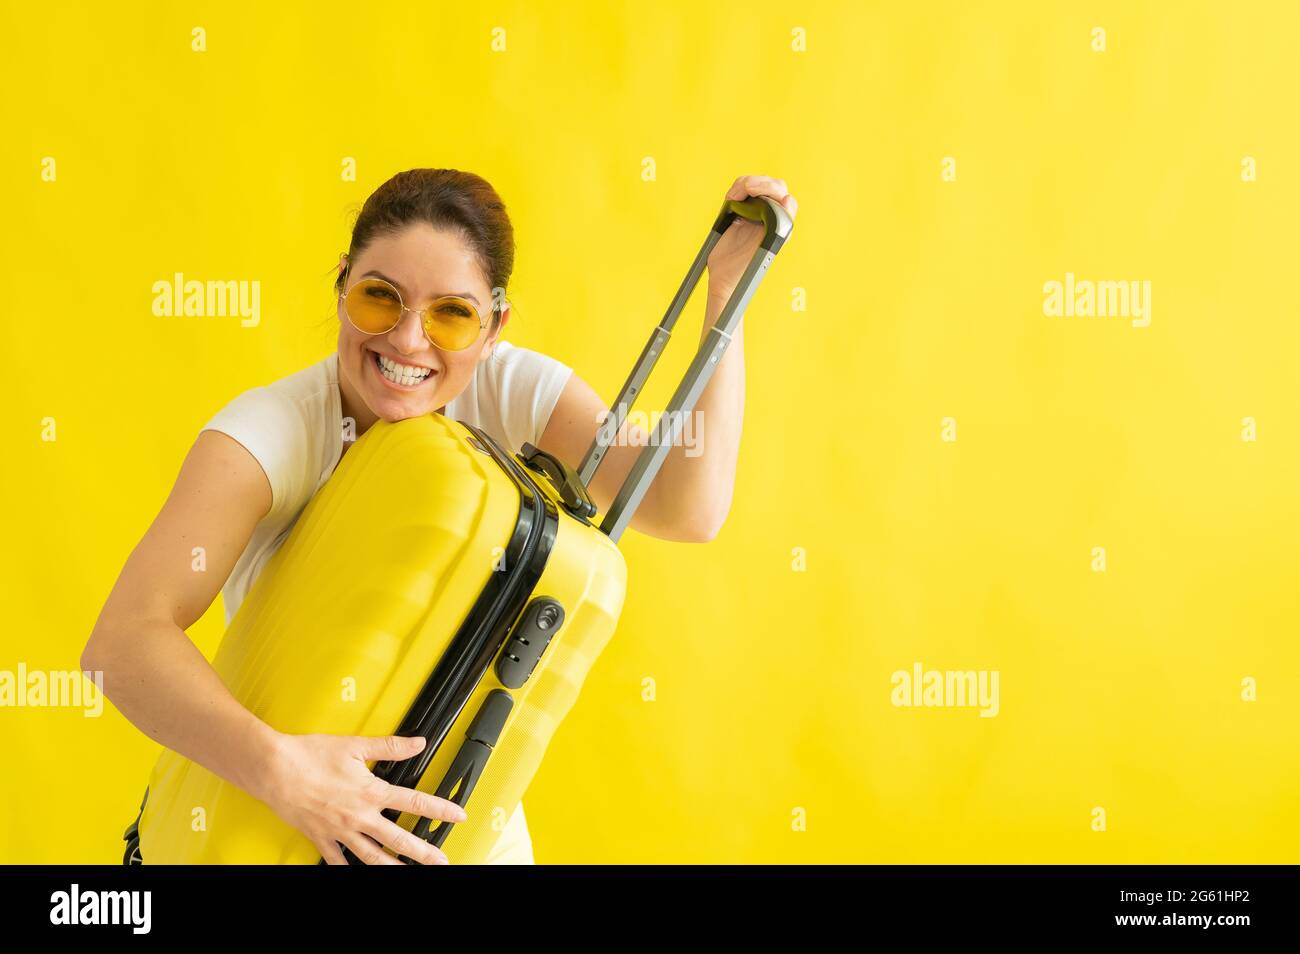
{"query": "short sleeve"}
(271, 429)
(526, 386)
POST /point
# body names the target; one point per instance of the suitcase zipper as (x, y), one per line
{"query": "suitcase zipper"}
(474, 646)
(436, 720)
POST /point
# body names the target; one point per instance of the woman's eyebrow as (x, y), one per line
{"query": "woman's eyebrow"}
(398, 285)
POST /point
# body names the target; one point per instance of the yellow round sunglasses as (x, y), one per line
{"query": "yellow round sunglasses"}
(375, 306)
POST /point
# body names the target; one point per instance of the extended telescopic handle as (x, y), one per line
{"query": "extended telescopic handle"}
(777, 226)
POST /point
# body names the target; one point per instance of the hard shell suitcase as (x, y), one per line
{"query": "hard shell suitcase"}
(436, 585)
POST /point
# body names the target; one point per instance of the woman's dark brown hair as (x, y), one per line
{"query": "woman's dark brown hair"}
(446, 199)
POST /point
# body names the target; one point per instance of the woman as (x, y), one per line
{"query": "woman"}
(424, 235)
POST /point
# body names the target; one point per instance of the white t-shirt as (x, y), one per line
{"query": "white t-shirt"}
(294, 429)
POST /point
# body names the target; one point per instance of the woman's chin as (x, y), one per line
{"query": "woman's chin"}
(394, 409)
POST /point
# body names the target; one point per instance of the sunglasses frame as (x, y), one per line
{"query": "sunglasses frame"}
(422, 312)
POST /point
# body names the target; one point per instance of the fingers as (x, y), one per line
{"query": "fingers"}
(746, 186)
(423, 804)
(368, 850)
(331, 853)
(773, 188)
(390, 748)
(404, 843)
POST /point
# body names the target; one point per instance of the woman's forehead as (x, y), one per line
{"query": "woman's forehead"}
(423, 262)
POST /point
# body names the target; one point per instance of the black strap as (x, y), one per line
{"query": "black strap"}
(132, 856)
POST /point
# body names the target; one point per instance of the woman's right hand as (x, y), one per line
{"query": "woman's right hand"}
(321, 785)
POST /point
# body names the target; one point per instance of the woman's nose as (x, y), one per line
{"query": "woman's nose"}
(408, 336)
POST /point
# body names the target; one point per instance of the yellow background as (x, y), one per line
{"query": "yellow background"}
(1119, 690)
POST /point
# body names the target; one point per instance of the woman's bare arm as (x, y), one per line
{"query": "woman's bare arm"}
(690, 497)
(152, 671)
(160, 681)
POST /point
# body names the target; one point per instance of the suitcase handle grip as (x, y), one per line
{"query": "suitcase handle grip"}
(777, 228)
(766, 212)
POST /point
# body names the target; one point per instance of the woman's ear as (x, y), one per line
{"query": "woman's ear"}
(491, 343)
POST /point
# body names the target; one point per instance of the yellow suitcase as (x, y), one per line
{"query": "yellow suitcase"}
(476, 633)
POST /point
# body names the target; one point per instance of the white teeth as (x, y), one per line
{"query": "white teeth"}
(401, 373)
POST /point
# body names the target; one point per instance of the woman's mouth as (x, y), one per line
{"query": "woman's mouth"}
(405, 376)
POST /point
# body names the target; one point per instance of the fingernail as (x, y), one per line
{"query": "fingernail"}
(461, 815)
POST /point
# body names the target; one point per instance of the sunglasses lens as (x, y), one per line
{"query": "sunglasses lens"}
(373, 306)
(453, 324)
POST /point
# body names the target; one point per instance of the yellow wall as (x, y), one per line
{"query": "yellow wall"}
(1120, 690)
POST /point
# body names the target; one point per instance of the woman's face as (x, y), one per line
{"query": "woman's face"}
(423, 263)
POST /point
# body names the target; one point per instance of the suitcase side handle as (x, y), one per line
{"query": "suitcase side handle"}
(563, 478)
(467, 767)
(777, 228)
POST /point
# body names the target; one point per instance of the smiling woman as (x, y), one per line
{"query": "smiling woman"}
(435, 239)
(421, 307)
(406, 345)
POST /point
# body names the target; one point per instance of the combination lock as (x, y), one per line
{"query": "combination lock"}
(528, 640)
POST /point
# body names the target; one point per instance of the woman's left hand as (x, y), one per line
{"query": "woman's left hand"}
(736, 248)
